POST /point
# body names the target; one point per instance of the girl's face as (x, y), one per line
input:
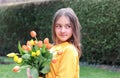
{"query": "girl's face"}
(63, 29)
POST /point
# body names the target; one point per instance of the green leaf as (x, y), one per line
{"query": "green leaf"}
(20, 49)
(43, 48)
(46, 62)
(36, 48)
(34, 73)
(26, 56)
(25, 66)
(48, 55)
(45, 70)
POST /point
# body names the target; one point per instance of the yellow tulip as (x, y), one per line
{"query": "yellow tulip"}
(32, 42)
(19, 60)
(33, 54)
(38, 52)
(11, 54)
(16, 58)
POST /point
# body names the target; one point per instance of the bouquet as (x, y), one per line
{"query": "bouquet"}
(35, 55)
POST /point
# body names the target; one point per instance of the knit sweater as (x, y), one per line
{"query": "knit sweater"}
(66, 63)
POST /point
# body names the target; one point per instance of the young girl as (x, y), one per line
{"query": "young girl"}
(66, 38)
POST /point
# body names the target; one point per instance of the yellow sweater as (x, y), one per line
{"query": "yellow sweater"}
(67, 62)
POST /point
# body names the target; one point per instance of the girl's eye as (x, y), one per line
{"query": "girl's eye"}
(68, 26)
(58, 26)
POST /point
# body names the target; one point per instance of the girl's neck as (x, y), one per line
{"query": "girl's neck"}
(59, 42)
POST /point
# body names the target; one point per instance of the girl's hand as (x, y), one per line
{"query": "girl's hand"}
(28, 73)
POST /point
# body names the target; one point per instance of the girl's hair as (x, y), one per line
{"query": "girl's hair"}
(76, 27)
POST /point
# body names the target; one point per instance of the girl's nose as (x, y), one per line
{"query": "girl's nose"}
(63, 29)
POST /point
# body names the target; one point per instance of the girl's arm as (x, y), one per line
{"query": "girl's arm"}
(68, 65)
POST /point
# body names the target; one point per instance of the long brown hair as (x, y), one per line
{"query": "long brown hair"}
(76, 27)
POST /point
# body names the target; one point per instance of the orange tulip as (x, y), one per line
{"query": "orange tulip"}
(54, 60)
(48, 46)
(24, 47)
(16, 69)
(28, 43)
(29, 48)
(39, 44)
(33, 34)
(46, 41)
(35, 42)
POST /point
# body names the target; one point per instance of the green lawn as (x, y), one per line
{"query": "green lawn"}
(92, 72)
(85, 72)
(6, 72)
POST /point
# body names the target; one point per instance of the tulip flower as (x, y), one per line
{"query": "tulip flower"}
(33, 54)
(11, 54)
(19, 60)
(33, 34)
(48, 46)
(29, 48)
(54, 60)
(24, 47)
(35, 42)
(28, 43)
(38, 52)
(39, 44)
(16, 58)
(46, 41)
(32, 42)
(16, 69)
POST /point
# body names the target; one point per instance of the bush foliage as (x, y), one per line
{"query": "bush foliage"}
(99, 20)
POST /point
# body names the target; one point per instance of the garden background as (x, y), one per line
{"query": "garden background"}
(100, 21)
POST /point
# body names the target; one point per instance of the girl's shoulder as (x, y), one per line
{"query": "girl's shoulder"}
(65, 47)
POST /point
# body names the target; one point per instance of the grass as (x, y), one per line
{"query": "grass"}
(85, 72)
(6, 69)
(92, 72)
(6, 72)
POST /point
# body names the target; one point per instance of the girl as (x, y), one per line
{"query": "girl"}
(66, 38)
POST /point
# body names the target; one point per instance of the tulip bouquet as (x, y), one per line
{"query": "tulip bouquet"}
(35, 55)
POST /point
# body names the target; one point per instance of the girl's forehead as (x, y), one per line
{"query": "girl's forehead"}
(63, 19)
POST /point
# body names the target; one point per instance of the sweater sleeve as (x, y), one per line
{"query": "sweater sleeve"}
(67, 66)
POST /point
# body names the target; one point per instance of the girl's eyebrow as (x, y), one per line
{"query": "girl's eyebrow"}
(65, 24)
